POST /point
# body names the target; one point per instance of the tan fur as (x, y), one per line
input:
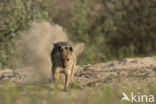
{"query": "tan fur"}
(63, 60)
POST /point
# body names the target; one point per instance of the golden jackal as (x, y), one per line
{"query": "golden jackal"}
(63, 61)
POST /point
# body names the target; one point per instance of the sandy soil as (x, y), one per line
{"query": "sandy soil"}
(138, 71)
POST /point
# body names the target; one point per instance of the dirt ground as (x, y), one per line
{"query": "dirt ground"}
(138, 71)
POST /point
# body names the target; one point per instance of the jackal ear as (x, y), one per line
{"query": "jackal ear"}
(71, 49)
(60, 48)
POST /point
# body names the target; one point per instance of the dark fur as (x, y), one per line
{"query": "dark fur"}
(63, 60)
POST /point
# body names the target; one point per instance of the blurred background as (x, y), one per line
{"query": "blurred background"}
(110, 29)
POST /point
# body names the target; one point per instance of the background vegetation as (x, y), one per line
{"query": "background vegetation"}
(110, 29)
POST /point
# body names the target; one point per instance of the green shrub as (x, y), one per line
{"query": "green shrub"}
(15, 17)
(110, 29)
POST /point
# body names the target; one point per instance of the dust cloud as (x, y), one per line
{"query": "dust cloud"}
(35, 47)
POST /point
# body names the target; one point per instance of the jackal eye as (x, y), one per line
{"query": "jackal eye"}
(67, 59)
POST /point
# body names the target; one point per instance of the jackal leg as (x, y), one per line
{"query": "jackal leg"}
(67, 79)
(55, 75)
(72, 71)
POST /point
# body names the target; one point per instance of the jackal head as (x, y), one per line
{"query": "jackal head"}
(66, 56)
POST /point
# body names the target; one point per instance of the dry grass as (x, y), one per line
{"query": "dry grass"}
(39, 93)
